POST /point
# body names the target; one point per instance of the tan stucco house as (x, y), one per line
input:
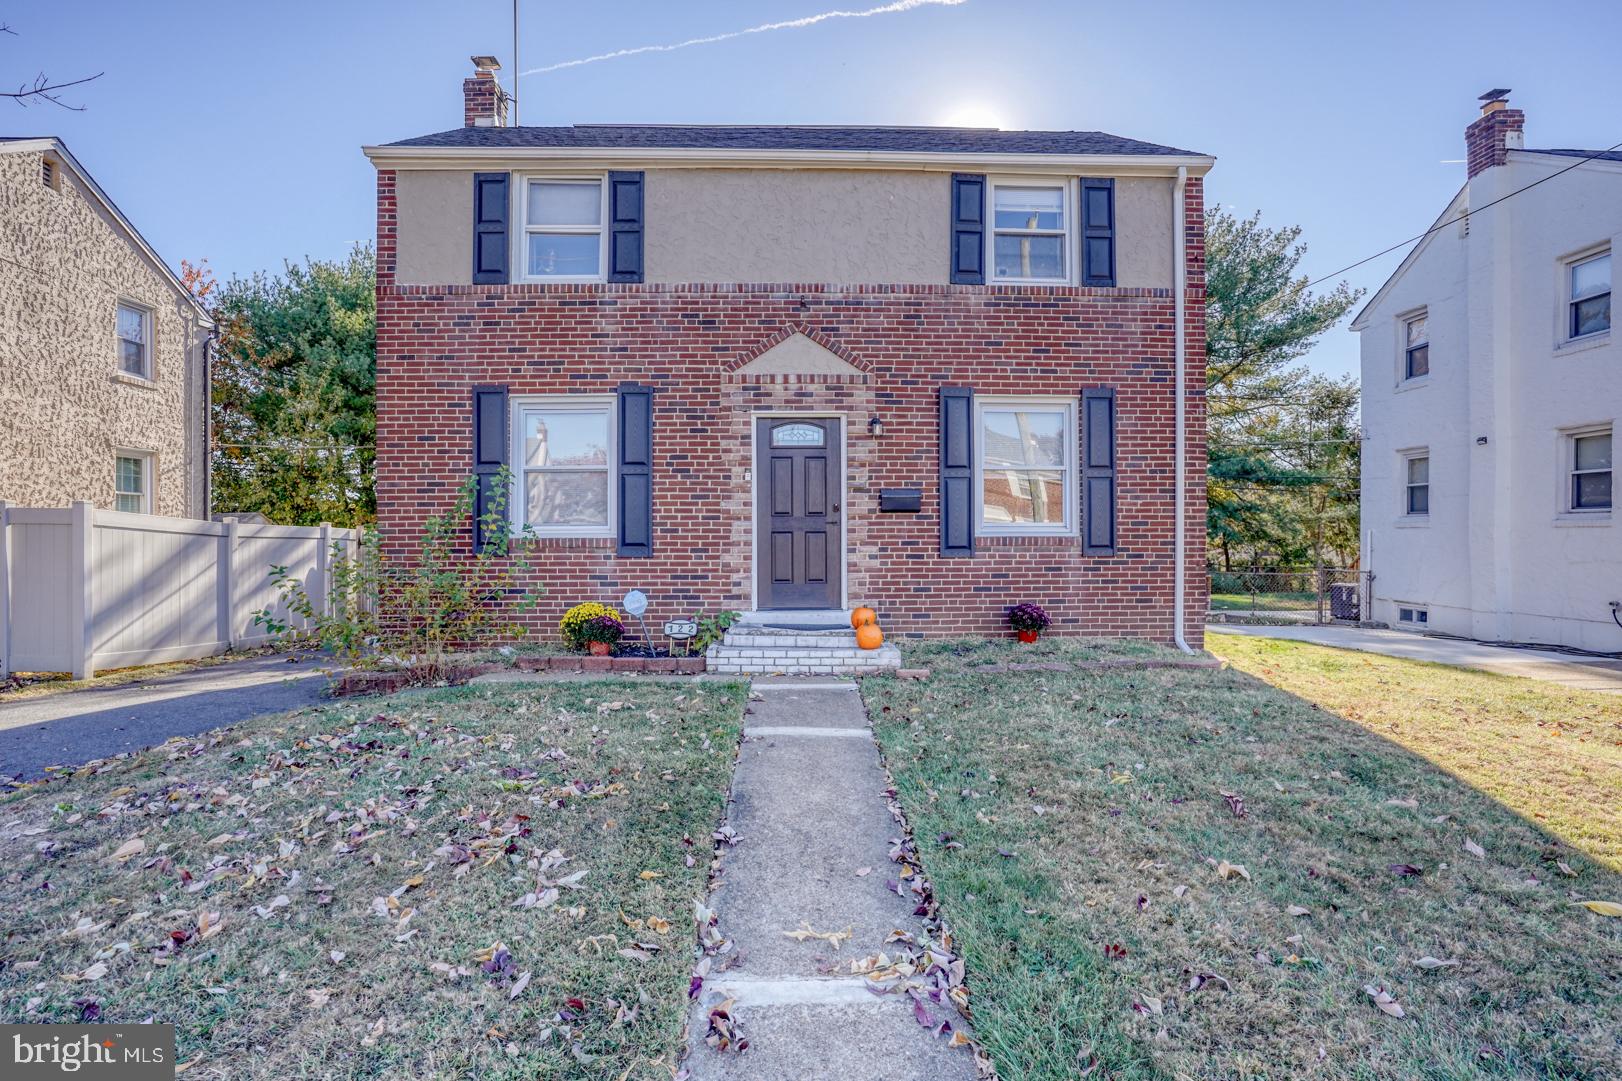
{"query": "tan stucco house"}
(103, 365)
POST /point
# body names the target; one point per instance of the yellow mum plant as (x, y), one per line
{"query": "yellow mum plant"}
(575, 619)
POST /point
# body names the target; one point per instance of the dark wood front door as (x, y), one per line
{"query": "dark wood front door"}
(799, 488)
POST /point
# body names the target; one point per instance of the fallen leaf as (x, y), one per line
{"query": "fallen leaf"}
(1434, 962)
(1474, 849)
(518, 985)
(833, 938)
(863, 872)
(1382, 999)
(1226, 870)
(132, 847)
(370, 1039)
(648, 876)
(658, 926)
(1297, 910)
(1604, 908)
(319, 996)
(1405, 870)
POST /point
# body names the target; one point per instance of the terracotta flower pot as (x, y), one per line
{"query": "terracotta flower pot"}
(600, 649)
(1027, 636)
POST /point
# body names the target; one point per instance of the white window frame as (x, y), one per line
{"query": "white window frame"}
(1403, 348)
(149, 478)
(1570, 472)
(1408, 457)
(522, 233)
(1070, 469)
(147, 325)
(519, 498)
(1568, 309)
(1419, 613)
(1067, 190)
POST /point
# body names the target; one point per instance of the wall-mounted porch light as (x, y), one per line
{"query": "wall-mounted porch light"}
(875, 427)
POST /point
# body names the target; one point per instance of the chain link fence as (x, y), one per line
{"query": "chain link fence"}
(1312, 595)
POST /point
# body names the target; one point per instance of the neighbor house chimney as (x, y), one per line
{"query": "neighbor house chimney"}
(484, 102)
(1497, 131)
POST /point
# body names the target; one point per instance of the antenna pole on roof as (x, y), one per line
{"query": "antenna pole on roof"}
(516, 68)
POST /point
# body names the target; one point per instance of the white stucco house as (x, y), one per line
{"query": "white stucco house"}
(1492, 385)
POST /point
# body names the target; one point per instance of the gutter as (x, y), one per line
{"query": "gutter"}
(1180, 457)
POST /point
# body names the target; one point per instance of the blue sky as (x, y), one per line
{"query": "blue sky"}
(233, 131)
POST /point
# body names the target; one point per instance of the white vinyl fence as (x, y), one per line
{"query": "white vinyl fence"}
(83, 590)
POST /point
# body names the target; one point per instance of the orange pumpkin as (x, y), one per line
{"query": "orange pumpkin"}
(862, 616)
(868, 636)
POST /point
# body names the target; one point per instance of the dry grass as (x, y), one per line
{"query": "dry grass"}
(1547, 752)
(1086, 897)
(355, 860)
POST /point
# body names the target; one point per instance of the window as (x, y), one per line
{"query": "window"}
(1026, 467)
(1590, 302)
(1416, 346)
(134, 341)
(1030, 226)
(563, 229)
(1412, 615)
(565, 482)
(1418, 485)
(132, 483)
(1591, 471)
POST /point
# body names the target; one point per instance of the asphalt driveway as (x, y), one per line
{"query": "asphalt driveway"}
(77, 726)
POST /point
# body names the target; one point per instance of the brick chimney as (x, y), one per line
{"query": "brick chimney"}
(484, 102)
(1498, 130)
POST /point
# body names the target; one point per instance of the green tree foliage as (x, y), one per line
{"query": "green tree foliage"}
(1283, 443)
(294, 393)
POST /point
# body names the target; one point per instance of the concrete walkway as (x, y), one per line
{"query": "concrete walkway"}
(1568, 670)
(808, 804)
(77, 726)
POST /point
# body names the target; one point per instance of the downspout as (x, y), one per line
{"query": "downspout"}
(1180, 458)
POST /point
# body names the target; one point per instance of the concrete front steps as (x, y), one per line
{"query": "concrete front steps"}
(797, 644)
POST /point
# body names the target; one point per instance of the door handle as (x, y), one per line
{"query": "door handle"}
(836, 508)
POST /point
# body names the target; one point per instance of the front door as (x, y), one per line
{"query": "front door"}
(800, 552)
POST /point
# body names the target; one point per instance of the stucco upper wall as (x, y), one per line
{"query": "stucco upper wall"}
(435, 210)
(731, 225)
(65, 410)
(837, 226)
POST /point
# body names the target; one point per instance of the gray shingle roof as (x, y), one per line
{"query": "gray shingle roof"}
(1602, 155)
(742, 137)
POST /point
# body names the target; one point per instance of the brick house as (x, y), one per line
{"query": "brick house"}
(789, 370)
(103, 368)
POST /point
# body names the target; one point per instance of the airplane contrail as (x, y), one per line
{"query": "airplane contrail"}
(788, 24)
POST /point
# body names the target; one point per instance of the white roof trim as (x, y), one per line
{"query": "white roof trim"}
(442, 157)
(57, 147)
(1451, 213)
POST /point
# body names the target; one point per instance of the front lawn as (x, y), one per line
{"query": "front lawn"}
(464, 883)
(1193, 874)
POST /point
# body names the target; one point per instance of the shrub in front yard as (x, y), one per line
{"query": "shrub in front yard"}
(574, 622)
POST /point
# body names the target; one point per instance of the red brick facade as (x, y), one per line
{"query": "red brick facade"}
(905, 342)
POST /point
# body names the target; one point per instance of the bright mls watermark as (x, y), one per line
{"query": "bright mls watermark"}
(94, 1052)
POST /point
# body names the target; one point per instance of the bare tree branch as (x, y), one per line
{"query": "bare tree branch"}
(43, 89)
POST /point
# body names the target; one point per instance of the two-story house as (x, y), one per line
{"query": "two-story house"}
(1491, 392)
(787, 370)
(103, 370)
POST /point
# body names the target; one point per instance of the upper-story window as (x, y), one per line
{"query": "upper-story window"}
(1030, 223)
(134, 340)
(1416, 347)
(563, 229)
(1591, 471)
(1590, 303)
(1026, 466)
(1417, 489)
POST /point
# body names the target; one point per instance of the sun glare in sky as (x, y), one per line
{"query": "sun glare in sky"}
(972, 114)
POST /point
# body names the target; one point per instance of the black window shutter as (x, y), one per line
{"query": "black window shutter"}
(968, 229)
(489, 228)
(1098, 470)
(957, 471)
(1097, 231)
(635, 424)
(491, 453)
(624, 227)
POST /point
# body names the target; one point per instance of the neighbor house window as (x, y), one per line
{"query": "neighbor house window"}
(564, 471)
(1416, 356)
(1590, 302)
(132, 483)
(1417, 499)
(1413, 615)
(1030, 225)
(563, 229)
(134, 341)
(1026, 466)
(1591, 471)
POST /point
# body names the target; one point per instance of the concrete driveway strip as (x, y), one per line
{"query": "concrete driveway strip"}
(78, 726)
(808, 803)
(1567, 669)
